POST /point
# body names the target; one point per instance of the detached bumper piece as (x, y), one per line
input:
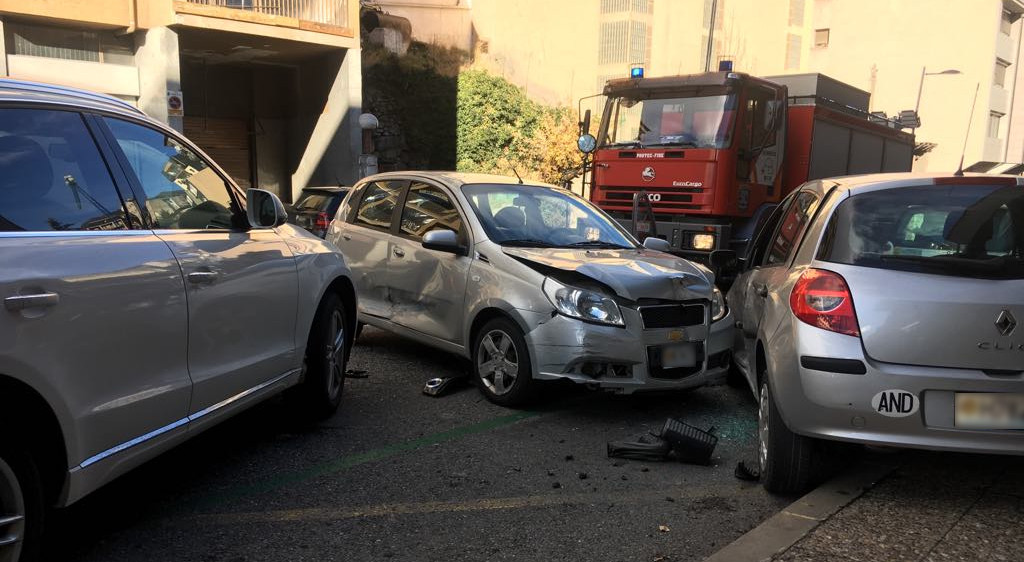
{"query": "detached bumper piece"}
(678, 440)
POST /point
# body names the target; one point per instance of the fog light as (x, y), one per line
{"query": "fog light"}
(703, 241)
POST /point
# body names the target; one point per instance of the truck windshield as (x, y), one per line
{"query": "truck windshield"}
(688, 122)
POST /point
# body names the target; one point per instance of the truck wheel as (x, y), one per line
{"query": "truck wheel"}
(321, 390)
(21, 506)
(501, 363)
(787, 460)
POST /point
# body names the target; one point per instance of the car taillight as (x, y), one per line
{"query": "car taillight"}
(322, 221)
(822, 299)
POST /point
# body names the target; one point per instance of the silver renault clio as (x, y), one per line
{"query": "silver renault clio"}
(530, 282)
(885, 309)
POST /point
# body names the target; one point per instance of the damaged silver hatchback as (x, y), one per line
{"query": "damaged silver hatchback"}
(529, 282)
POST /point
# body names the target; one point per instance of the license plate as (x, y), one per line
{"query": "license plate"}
(989, 410)
(676, 356)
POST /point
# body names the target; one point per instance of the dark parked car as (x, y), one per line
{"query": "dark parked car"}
(314, 210)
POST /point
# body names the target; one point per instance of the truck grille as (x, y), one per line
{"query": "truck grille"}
(672, 315)
(672, 198)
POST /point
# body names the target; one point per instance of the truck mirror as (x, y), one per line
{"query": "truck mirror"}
(586, 143)
(585, 124)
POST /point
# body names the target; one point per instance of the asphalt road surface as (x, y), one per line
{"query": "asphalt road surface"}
(397, 475)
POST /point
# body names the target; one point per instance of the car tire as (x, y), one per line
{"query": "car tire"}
(325, 362)
(787, 460)
(499, 347)
(22, 507)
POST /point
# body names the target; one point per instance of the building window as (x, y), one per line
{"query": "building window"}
(613, 42)
(796, 13)
(821, 38)
(994, 118)
(637, 42)
(69, 44)
(1006, 22)
(793, 44)
(616, 6)
(1000, 74)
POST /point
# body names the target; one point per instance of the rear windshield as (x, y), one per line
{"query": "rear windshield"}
(315, 201)
(960, 230)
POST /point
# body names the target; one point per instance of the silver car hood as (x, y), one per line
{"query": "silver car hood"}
(632, 274)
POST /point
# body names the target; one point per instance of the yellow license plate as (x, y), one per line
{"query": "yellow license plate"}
(989, 410)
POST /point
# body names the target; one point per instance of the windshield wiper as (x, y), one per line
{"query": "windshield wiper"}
(680, 144)
(955, 261)
(526, 242)
(599, 244)
(623, 144)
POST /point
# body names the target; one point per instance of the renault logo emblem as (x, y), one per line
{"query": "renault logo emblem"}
(1005, 323)
(648, 174)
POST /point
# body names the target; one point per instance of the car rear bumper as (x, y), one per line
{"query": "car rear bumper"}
(839, 406)
(616, 359)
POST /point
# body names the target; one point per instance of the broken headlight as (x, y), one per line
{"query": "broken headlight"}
(718, 309)
(582, 303)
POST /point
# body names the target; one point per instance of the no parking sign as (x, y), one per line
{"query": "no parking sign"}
(175, 103)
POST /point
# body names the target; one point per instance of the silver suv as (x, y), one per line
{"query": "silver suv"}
(146, 298)
(884, 309)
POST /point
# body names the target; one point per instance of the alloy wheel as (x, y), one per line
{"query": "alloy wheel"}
(498, 362)
(335, 352)
(12, 514)
(763, 414)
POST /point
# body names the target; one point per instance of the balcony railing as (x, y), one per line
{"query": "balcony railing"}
(332, 13)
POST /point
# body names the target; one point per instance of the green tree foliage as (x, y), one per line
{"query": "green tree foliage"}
(501, 130)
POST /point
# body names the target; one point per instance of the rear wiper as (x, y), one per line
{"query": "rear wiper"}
(598, 244)
(527, 242)
(952, 261)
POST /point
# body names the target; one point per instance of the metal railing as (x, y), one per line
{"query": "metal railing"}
(327, 12)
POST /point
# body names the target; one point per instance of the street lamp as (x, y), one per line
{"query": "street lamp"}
(920, 85)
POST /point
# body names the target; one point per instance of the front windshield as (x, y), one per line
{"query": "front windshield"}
(688, 122)
(534, 216)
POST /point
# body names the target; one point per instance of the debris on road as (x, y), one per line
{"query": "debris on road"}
(356, 374)
(438, 386)
(678, 440)
(744, 472)
(663, 528)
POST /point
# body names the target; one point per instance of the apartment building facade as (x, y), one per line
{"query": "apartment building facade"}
(271, 89)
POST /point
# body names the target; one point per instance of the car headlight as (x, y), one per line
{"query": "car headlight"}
(718, 309)
(582, 303)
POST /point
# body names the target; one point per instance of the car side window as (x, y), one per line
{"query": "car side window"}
(791, 228)
(378, 204)
(428, 207)
(52, 176)
(182, 190)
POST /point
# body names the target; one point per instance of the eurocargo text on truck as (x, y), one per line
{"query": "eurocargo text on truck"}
(715, 152)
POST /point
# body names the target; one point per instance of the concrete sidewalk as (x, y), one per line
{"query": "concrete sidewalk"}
(921, 506)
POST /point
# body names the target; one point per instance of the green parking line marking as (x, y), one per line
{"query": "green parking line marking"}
(349, 461)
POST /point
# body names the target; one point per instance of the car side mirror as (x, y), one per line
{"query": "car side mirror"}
(443, 241)
(264, 209)
(723, 259)
(657, 244)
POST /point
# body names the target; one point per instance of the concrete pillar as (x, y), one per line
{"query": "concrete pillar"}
(331, 154)
(156, 57)
(3, 50)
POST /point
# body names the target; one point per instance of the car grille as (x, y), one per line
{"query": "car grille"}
(672, 315)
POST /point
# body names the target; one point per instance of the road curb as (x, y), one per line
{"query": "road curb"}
(785, 528)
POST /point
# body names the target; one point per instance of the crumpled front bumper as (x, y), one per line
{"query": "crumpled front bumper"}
(616, 358)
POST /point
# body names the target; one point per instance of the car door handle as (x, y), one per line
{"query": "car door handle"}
(399, 252)
(40, 300)
(201, 277)
(761, 290)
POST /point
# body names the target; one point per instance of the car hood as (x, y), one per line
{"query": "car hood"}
(632, 274)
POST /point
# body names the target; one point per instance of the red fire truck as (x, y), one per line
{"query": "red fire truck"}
(714, 152)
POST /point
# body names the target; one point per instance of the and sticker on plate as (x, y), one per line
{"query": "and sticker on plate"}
(895, 403)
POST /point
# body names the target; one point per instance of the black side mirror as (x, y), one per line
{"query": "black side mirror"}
(264, 209)
(443, 241)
